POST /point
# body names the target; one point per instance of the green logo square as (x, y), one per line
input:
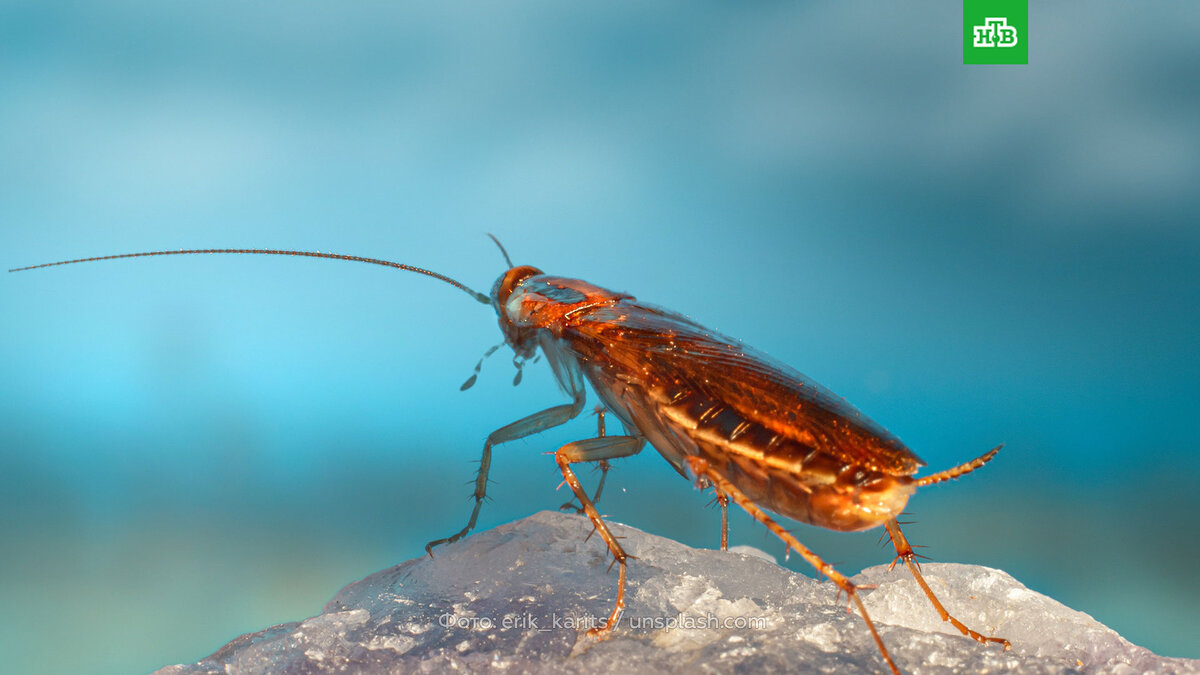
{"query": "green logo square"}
(995, 31)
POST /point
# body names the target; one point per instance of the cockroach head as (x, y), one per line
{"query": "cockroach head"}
(522, 339)
(508, 282)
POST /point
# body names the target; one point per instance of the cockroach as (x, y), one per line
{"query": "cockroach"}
(759, 433)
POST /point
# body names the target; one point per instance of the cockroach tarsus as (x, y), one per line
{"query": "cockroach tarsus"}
(760, 434)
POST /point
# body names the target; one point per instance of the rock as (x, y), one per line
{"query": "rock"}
(520, 597)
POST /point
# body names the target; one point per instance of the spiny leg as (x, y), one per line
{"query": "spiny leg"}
(602, 464)
(526, 426)
(700, 469)
(593, 450)
(723, 500)
(904, 552)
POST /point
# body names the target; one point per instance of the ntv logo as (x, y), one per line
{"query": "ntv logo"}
(995, 32)
(987, 24)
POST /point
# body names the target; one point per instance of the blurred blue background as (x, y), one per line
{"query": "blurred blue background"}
(195, 447)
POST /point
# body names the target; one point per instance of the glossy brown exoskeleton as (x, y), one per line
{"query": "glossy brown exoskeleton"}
(758, 432)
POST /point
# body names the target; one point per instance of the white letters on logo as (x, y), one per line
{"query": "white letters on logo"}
(995, 32)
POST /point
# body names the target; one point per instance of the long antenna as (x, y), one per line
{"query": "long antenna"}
(506, 258)
(267, 251)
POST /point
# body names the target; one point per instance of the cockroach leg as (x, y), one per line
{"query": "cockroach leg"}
(526, 426)
(723, 500)
(603, 465)
(904, 552)
(700, 469)
(594, 450)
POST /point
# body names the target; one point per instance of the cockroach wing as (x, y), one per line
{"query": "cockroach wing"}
(641, 357)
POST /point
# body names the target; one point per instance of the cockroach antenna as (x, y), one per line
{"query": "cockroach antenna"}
(480, 297)
(506, 258)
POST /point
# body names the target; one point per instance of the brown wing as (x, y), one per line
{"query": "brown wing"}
(645, 346)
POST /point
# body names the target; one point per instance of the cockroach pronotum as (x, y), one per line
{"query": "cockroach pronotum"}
(758, 432)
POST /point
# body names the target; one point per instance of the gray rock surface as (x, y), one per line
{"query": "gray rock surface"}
(520, 597)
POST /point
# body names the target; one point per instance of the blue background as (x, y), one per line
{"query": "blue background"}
(195, 447)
